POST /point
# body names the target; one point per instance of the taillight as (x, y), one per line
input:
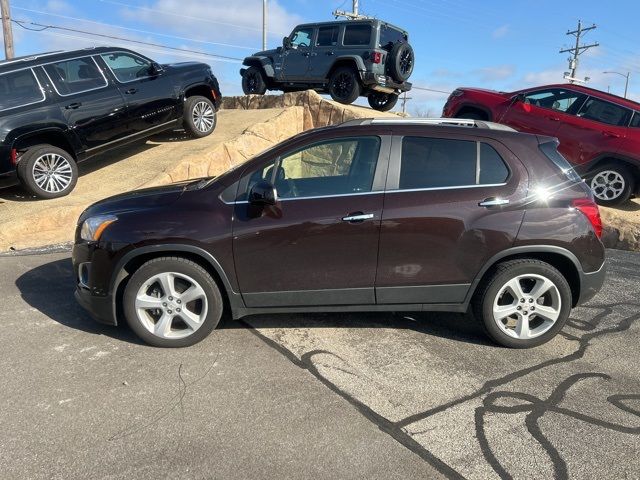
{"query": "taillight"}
(376, 57)
(14, 156)
(590, 210)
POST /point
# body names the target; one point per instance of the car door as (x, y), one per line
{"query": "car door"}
(598, 128)
(92, 106)
(319, 244)
(324, 51)
(296, 58)
(447, 211)
(542, 111)
(151, 99)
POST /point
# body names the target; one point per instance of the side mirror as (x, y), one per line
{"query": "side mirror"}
(263, 193)
(156, 68)
(518, 98)
(286, 43)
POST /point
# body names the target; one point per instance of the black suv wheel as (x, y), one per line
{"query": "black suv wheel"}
(344, 86)
(401, 61)
(199, 116)
(383, 102)
(253, 82)
(47, 171)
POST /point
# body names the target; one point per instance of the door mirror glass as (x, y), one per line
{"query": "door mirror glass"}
(263, 193)
(156, 68)
(286, 43)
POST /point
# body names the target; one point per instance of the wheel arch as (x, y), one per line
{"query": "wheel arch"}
(201, 90)
(610, 158)
(560, 258)
(134, 259)
(353, 61)
(51, 136)
(473, 107)
(262, 63)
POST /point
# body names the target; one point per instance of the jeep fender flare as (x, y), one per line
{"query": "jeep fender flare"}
(260, 62)
(346, 59)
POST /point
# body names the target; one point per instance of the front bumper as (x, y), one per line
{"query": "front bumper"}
(373, 80)
(100, 308)
(591, 283)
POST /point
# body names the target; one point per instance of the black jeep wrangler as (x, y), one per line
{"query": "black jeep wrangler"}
(345, 59)
(57, 109)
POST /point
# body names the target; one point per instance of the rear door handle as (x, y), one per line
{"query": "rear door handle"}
(357, 217)
(73, 106)
(610, 134)
(493, 202)
(329, 53)
(555, 119)
(131, 91)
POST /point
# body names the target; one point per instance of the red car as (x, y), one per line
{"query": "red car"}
(599, 133)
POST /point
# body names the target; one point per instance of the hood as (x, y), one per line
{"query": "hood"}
(137, 200)
(484, 90)
(266, 53)
(186, 66)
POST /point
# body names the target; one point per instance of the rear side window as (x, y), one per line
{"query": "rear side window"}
(358, 35)
(328, 36)
(605, 112)
(441, 163)
(75, 76)
(19, 88)
(550, 149)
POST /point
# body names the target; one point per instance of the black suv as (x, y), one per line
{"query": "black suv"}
(372, 215)
(345, 59)
(59, 108)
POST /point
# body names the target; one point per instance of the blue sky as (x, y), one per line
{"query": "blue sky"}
(497, 44)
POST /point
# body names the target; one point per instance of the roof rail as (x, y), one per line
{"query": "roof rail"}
(445, 122)
(28, 58)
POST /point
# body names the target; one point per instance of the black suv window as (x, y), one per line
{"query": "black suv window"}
(439, 162)
(357, 35)
(605, 112)
(126, 66)
(389, 36)
(563, 100)
(328, 36)
(75, 76)
(302, 37)
(19, 88)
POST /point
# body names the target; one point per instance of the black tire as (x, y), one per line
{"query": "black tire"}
(488, 291)
(344, 85)
(471, 116)
(183, 268)
(401, 61)
(39, 161)
(253, 82)
(612, 184)
(199, 117)
(383, 102)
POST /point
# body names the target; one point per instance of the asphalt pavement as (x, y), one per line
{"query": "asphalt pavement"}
(315, 396)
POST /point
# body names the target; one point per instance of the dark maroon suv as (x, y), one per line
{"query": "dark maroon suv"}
(371, 215)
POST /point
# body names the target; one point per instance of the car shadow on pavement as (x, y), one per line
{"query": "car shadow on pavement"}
(49, 289)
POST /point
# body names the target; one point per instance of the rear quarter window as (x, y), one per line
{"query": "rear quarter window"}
(605, 112)
(357, 35)
(550, 149)
(18, 89)
(389, 36)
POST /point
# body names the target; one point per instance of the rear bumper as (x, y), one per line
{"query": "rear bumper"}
(591, 283)
(373, 80)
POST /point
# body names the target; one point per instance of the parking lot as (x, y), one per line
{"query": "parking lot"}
(315, 396)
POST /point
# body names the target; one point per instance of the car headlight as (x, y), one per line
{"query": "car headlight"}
(93, 227)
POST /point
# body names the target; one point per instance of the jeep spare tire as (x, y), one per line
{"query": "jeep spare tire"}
(401, 62)
(344, 86)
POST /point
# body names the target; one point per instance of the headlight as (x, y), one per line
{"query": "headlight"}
(93, 227)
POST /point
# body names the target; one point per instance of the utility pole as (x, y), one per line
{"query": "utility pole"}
(6, 29)
(405, 99)
(353, 15)
(264, 24)
(577, 50)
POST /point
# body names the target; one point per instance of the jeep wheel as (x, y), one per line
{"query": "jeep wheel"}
(253, 82)
(383, 102)
(344, 86)
(47, 171)
(612, 184)
(199, 116)
(401, 61)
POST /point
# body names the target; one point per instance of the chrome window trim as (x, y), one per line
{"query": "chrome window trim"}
(128, 53)
(457, 187)
(314, 197)
(53, 84)
(44, 97)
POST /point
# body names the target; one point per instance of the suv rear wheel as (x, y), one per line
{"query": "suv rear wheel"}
(612, 184)
(383, 102)
(172, 302)
(199, 117)
(525, 303)
(47, 171)
(344, 86)
(253, 82)
(401, 61)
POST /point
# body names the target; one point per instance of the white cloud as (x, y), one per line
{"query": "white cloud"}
(500, 32)
(494, 73)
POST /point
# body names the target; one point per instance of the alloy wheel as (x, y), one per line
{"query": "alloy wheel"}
(527, 306)
(607, 185)
(203, 116)
(343, 85)
(171, 305)
(52, 172)
(406, 62)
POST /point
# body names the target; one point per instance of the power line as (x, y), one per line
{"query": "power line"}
(23, 23)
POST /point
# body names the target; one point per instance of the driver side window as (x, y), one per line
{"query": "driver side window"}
(566, 101)
(127, 67)
(301, 37)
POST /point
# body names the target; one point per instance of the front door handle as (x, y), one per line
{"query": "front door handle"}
(493, 202)
(73, 106)
(357, 217)
(329, 53)
(131, 91)
(610, 134)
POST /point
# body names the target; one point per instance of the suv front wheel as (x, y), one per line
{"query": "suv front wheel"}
(199, 116)
(47, 171)
(344, 85)
(524, 303)
(253, 82)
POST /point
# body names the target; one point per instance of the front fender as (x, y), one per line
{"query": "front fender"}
(260, 61)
